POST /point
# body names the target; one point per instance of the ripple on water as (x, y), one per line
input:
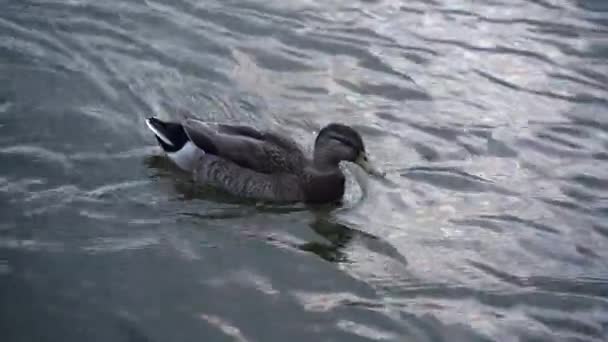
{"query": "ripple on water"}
(488, 117)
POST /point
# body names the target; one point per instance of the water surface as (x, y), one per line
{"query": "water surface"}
(490, 118)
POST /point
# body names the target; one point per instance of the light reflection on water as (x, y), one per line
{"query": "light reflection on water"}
(488, 117)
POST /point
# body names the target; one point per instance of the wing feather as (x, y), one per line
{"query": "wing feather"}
(247, 147)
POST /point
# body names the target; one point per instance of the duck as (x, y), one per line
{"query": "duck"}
(261, 164)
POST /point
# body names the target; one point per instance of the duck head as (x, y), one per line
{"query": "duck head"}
(338, 142)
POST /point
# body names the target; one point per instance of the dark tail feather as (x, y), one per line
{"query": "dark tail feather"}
(171, 136)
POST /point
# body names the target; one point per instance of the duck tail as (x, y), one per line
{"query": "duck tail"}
(171, 136)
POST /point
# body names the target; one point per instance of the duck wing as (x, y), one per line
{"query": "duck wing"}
(270, 137)
(247, 147)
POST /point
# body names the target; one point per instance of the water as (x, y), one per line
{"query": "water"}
(490, 118)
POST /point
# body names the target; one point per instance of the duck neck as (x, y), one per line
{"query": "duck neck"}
(325, 161)
(323, 183)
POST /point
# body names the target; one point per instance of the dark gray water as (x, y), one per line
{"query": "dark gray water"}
(491, 118)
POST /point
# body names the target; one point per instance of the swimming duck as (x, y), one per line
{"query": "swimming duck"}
(250, 163)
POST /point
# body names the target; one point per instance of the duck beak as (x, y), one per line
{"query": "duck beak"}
(364, 162)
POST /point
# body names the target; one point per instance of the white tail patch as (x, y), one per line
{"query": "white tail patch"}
(186, 157)
(159, 134)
